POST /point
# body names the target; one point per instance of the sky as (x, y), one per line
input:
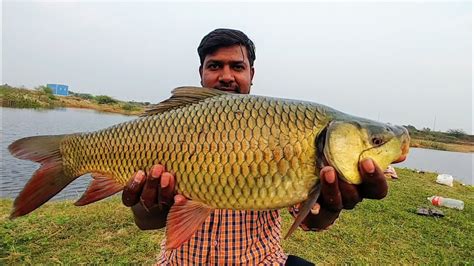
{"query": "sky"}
(405, 62)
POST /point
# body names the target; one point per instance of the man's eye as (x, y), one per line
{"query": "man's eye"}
(239, 67)
(213, 66)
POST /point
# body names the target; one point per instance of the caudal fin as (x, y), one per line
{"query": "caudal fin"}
(48, 180)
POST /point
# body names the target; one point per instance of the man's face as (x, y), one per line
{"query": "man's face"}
(227, 69)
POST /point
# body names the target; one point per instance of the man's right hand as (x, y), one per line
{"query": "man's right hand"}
(150, 196)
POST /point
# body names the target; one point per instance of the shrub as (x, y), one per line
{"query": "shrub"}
(130, 107)
(85, 96)
(104, 99)
(47, 90)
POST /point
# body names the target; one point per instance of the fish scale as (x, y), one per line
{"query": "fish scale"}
(230, 149)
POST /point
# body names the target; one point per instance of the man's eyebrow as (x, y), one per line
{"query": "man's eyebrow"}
(222, 61)
(214, 62)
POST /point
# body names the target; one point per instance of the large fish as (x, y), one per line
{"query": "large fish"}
(228, 151)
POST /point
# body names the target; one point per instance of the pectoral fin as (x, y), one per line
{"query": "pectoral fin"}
(183, 221)
(305, 208)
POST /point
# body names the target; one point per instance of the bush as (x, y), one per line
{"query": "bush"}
(130, 107)
(104, 99)
(456, 132)
(85, 96)
(47, 90)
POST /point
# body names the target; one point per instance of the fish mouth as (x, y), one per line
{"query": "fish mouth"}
(405, 148)
(400, 159)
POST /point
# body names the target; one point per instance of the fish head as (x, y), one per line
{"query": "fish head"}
(349, 142)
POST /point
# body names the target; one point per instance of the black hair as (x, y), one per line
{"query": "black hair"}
(219, 38)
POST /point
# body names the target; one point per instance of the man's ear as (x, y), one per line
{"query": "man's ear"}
(200, 74)
(252, 72)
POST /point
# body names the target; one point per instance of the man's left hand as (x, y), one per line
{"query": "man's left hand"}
(337, 194)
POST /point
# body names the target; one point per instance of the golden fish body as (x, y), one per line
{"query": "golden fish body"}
(229, 152)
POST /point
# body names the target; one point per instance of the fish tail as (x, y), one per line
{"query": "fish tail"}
(48, 180)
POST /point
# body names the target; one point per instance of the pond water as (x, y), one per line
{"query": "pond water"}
(19, 123)
(457, 164)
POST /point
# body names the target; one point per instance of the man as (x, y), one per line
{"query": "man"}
(239, 237)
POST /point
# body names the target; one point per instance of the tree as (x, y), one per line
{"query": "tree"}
(411, 128)
(456, 132)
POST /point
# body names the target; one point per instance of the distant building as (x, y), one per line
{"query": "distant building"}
(59, 89)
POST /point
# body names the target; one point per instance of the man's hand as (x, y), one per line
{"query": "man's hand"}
(337, 194)
(150, 196)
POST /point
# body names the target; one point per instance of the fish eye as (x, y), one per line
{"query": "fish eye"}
(377, 141)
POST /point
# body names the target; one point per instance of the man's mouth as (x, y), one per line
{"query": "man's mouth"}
(235, 89)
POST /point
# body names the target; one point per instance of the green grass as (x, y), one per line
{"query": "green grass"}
(376, 231)
(59, 232)
(388, 231)
(384, 231)
(23, 98)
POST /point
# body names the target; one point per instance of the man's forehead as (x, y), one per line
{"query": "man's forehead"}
(234, 53)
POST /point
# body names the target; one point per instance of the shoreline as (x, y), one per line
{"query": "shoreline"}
(441, 146)
(42, 99)
(414, 143)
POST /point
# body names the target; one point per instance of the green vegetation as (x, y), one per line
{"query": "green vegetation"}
(24, 98)
(377, 231)
(43, 97)
(85, 96)
(103, 99)
(456, 136)
(452, 140)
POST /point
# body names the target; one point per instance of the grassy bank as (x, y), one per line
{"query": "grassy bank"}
(385, 231)
(453, 140)
(442, 146)
(42, 97)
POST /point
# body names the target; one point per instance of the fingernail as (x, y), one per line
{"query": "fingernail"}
(156, 170)
(368, 165)
(315, 209)
(165, 180)
(139, 176)
(330, 176)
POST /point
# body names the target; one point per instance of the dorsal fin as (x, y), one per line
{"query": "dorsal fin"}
(183, 96)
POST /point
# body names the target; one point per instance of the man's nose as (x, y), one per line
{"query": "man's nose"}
(226, 75)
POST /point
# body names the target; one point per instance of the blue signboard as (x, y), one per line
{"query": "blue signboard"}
(59, 89)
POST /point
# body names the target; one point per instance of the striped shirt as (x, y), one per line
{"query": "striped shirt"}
(230, 237)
